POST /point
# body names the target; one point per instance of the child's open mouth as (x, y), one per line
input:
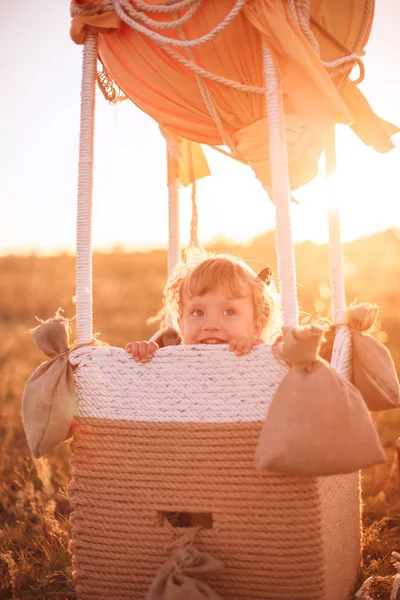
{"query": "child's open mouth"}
(212, 341)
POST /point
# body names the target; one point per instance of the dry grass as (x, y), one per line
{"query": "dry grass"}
(35, 562)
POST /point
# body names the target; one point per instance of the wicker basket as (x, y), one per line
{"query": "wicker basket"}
(178, 436)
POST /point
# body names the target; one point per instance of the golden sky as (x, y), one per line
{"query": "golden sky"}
(39, 122)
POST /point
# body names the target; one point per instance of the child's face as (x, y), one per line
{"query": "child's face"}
(218, 318)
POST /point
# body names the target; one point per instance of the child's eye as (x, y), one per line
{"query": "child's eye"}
(229, 312)
(197, 313)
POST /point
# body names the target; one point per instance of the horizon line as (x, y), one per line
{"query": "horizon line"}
(163, 247)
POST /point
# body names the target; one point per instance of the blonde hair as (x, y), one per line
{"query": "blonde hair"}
(203, 272)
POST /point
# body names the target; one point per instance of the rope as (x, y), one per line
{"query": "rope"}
(184, 61)
(241, 87)
(280, 184)
(194, 223)
(120, 6)
(174, 248)
(303, 12)
(137, 14)
(338, 64)
(209, 103)
(335, 241)
(84, 308)
(342, 348)
(300, 10)
(225, 153)
(168, 6)
(99, 8)
(341, 356)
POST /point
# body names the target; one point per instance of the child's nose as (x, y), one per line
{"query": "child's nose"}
(212, 324)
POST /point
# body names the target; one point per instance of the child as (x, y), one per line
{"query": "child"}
(219, 300)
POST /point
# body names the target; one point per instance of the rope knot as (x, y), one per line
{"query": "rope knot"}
(177, 579)
(361, 317)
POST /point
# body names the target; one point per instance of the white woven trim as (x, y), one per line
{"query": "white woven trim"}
(180, 384)
(84, 308)
(281, 190)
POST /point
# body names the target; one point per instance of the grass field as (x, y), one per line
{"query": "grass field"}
(34, 559)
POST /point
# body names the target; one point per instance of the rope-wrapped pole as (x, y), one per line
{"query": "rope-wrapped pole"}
(335, 238)
(342, 348)
(84, 307)
(281, 190)
(174, 246)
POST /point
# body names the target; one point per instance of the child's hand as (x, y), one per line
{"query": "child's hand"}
(244, 345)
(142, 351)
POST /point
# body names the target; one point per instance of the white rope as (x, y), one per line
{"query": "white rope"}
(342, 348)
(174, 247)
(209, 103)
(184, 61)
(120, 6)
(303, 11)
(84, 308)
(141, 16)
(335, 241)
(300, 10)
(281, 190)
(169, 6)
(241, 87)
(194, 222)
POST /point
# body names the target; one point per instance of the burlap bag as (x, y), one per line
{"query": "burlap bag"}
(49, 400)
(177, 578)
(374, 373)
(318, 423)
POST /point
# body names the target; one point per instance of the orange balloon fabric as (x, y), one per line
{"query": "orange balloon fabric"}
(169, 91)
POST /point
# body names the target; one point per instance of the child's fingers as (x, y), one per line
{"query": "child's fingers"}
(240, 346)
(128, 347)
(143, 346)
(135, 350)
(248, 345)
(244, 345)
(151, 348)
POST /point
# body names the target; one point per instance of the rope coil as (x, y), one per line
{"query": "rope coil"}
(84, 278)
(123, 10)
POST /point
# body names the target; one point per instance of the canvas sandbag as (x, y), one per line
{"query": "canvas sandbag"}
(374, 373)
(49, 399)
(317, 423)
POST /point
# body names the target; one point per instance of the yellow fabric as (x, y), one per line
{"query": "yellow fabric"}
(192, 164)
(185, 159)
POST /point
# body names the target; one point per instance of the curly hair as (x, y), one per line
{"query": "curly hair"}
(203, 272)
